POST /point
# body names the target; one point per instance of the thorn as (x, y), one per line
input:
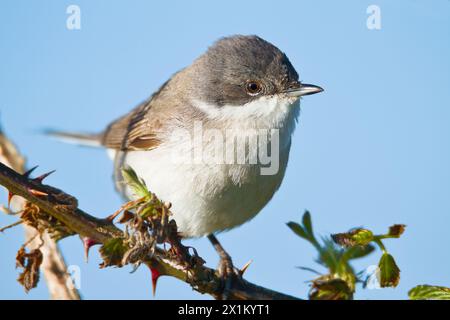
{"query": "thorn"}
(245, 267)
(35, 192)
(10, 196)
(28, 172)
(87, 244)
(42, 177)
(155, 276)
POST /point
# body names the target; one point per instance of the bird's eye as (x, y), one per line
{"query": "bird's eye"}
(253, 88)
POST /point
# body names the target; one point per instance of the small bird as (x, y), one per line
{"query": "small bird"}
(176, 140)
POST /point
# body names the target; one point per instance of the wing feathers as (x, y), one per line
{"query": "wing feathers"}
(132, 132)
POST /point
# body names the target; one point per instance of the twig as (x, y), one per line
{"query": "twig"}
(11, 225)
(201, 278)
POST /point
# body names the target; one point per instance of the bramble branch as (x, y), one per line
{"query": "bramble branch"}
(64, 208)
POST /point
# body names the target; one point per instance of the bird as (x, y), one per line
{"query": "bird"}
(183, 141)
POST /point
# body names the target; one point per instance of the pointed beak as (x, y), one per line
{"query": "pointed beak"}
(304, 89)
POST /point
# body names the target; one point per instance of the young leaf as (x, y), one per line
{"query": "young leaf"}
(358, 252)
(389, 271)
(307, 224)
(112, 252)
(330, 255)
(305, 231)
(356, 237)
(298, 230)
(396, 230)
(310, 270)
(333, 289)
(427, 292)
(134, 182)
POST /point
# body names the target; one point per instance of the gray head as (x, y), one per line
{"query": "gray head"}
(239, 69)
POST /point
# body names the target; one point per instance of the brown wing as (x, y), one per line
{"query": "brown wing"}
(134, 131)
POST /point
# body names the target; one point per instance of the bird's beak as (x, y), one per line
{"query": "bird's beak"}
(304, 89)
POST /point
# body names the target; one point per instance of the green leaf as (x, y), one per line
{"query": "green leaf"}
(135, 183)
(334, 258)
(396, 230)
(112, 252)
(310, 270)
(358, 252)
(356, 237)
(389, 271)
(298, 230)
(330, 255)
(427, 292)
(333, 289)
(307, 224)
(148, 211)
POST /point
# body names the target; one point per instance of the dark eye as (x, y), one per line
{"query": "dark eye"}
(253, 88)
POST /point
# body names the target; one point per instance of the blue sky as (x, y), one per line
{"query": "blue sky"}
(372, 150)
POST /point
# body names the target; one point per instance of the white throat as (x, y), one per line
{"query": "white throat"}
(267, 112)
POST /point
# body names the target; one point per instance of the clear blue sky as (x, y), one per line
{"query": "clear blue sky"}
(372, 150)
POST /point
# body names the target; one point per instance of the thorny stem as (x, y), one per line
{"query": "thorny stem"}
(201, 278)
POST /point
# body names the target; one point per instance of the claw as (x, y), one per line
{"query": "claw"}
(42, 177)
(245, 267)
(87, 244)
(168, 205)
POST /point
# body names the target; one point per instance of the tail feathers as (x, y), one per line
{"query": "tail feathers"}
(90, 140)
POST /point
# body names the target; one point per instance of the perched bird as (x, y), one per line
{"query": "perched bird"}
(183, 141)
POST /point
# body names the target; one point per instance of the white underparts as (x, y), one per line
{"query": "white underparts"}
(207, 196)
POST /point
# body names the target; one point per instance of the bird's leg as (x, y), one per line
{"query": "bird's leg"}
(226, 269)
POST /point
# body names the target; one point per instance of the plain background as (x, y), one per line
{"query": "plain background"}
(372, 150)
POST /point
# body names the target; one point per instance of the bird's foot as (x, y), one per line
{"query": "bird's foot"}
(226, 270)
(229, 274)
